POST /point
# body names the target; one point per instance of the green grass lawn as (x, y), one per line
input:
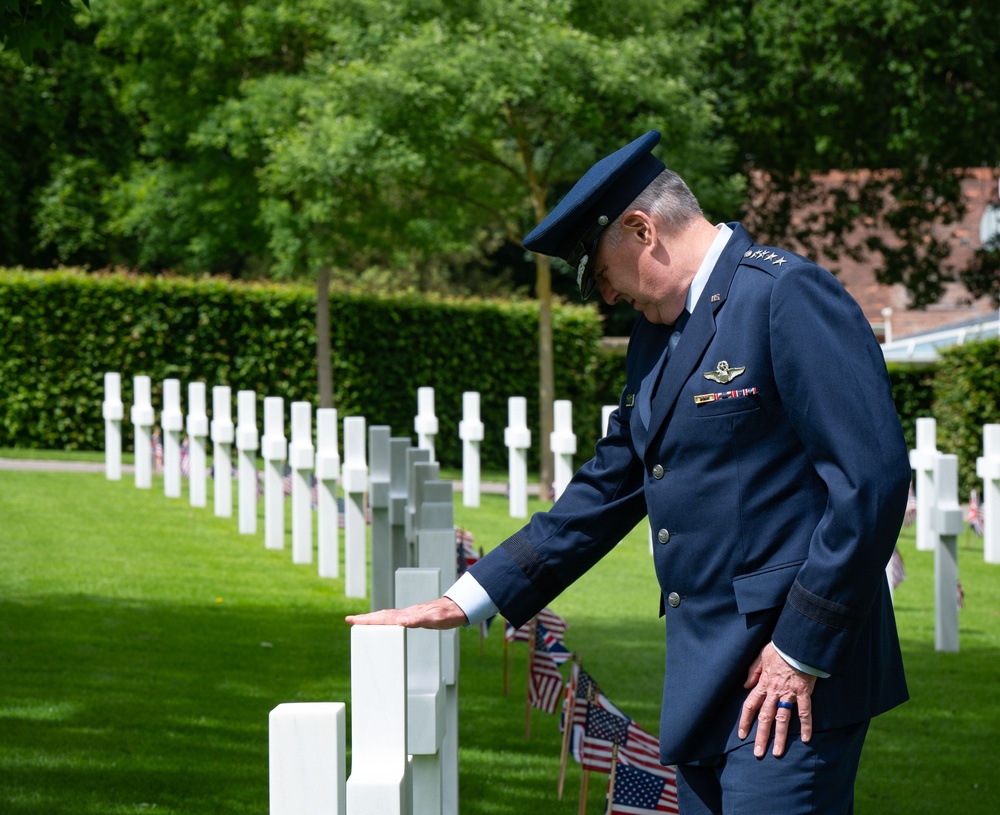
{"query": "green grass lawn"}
(143, 643)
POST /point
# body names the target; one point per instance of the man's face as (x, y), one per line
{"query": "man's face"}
(639, 271)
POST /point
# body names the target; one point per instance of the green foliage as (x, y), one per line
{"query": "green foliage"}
(274, 139)
(913, 393)
(967, 396)
(30, 25)
(61, 331)
(906, 86)
(62, 140)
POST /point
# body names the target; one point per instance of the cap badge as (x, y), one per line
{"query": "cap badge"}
(723, 373)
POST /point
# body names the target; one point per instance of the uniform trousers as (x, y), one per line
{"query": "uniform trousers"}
(815, 778)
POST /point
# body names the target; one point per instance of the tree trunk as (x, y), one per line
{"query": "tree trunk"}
(546, 373)
(324, 357)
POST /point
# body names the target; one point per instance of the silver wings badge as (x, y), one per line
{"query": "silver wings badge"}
(723, 374)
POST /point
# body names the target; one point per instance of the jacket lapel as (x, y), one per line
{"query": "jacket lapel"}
(699, 331)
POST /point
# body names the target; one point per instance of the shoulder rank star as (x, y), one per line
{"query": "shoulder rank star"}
(723, 373)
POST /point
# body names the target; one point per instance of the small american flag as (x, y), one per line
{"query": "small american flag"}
(637, 792)
(185, 458)
(975, 516)
(553, 623)
(553, 644)
(465, 553)
(897, 574)
(586, 688)
(340, 513)
(911, 507)
(578, 738)
(642, 749)
(157, 452)
(604, 729)
(546, 685)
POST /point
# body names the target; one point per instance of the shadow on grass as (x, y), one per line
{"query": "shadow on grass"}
(937, 752)
(117, 706)
(502, 772)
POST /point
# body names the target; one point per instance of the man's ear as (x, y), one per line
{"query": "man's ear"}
(637, 225)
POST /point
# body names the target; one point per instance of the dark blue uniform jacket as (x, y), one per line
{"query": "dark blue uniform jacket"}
(775, 489)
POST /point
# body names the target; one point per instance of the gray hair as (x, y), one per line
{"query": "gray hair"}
(667, 198)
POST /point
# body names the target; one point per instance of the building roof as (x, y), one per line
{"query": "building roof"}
(923, 347)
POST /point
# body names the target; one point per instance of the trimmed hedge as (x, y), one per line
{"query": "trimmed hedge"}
(61, 331)
(913, 393)
(967, 396)
(962, 392)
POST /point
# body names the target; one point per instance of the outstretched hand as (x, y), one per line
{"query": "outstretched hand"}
(442, 613)
(772, 680)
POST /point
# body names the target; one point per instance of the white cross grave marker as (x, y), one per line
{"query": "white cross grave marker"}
(436, 550)
(946, 525)
(307, 748)
(922, 461)
(383, 567)
(606, 412)
(172, 423)
(355, 483)
(517, 438)
(470, 431)
(274, 451)
(197, 430)
(425, 692)
(419, 468)
(988, 469)
(425, 423)
(398, 491)
(301, 457)
(142, 421)
(563, 444)
(247, 442)
(380, 782)
(113, 411)
(327, 475)
(222, 450)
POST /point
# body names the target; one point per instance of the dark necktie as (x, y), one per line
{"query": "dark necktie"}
(675, 335)
(646, 398)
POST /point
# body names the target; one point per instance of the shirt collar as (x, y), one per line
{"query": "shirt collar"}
(707, 264)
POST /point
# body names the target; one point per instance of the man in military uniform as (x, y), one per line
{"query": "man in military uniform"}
(753, 380)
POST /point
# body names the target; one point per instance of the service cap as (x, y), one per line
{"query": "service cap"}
(571, 230)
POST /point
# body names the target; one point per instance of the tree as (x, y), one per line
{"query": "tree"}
(477, 116)
(27, 25)
(62, 140)
(900, 95)
(190, 199)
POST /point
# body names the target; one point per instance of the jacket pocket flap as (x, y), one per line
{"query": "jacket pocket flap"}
(766, 588)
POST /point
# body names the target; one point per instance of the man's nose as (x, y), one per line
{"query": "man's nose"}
(608, 293)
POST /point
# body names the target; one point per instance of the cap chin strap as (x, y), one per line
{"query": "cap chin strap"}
(581, 254)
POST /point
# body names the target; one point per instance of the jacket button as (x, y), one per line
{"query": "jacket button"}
(663, 536)
(658, 471)
(674, 599)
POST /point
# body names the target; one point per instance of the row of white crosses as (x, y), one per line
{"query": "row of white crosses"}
(404, 682)
(939, 518)
(405, 750)
(301, 456)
